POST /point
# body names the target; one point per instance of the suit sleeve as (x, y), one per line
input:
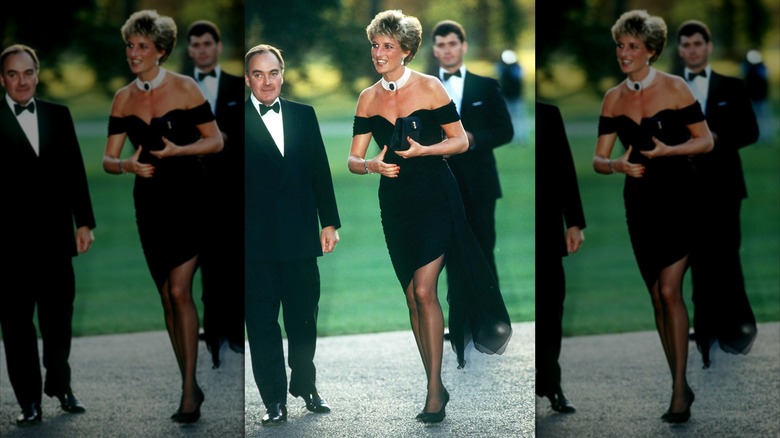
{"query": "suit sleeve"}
(571, 203)
(323, 182)
(81, 202)
(735, 123)
(498, 129)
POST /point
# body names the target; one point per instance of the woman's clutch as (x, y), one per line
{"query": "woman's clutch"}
(405, 127)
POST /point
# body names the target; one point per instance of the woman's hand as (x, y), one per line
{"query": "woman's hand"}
(170, 150)
(378, 165)
(415, 149)
(624, 166)
(132, 164)
(660, 150)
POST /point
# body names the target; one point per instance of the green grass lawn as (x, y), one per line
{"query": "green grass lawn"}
(360, 293)
(605, 292)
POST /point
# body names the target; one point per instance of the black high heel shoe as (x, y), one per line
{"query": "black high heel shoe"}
(435, 417)
(190, 417)
(680, 417)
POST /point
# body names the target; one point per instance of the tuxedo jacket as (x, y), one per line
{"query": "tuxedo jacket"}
(228, 113)
(483, 113)
(45, 195)
(730, 116)
(558, 203)
(289, 198)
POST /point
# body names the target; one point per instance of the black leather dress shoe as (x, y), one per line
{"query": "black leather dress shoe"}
(316, 404)
(30, 415)
(69, 403)
(559, 403)
(275, 413)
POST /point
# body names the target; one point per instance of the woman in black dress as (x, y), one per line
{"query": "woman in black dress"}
(660, 124)
(421, 209)
(170, 124)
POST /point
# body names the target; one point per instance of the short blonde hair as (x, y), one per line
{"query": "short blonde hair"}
(650, 29)
(407, 30)
(160, 29)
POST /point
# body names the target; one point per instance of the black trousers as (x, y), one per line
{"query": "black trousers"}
(550, 294)
(295, 286)
(222, 273)
(49, 285)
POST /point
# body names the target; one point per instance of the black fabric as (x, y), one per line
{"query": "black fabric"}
(447, 76)
(692, 75)
(405, 128)
(659, 206)
(201, 75)
(18, 109)
(169, 206)
(265, 108)
(423, 217)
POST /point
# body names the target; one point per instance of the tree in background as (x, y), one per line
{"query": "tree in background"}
(577, 32)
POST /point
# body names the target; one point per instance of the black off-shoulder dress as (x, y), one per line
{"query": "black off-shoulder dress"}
(423, 217)
(168, 206)
(658, 205)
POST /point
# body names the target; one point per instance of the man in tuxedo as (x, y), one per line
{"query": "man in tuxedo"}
(44, 193)
(558, 207)
(721, 307)
(488, 125)
(221, 261)
(291, 219)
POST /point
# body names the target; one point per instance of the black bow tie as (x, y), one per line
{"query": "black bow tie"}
(692, 75)
(265, 108)
(18, 109)
(201, 75)
(447, 76)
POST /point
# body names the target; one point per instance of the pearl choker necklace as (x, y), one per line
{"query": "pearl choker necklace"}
(395, 85)
(644, 83)
(149, 86)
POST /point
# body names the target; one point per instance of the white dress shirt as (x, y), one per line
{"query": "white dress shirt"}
(273, 121)
(209, 86)
(29, 123)
(700, 86)
(454, 85)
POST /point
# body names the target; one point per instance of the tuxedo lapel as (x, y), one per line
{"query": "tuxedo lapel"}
(713, 90)
(12, 131)
(291, 130)
(258, 134)
(45, 125)
(468, 94)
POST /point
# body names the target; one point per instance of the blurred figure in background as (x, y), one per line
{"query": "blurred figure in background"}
(221, 261)
(510, 78)
(488, 125)
(721, 308)
(757, 82)
(722, 311)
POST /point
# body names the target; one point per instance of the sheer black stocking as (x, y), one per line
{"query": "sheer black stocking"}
(671, 319)
(427, 321)
(181, 321)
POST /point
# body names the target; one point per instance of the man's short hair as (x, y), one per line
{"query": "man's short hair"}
(15, 49)
(446, 27)
(692, 27)
(201, 27)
